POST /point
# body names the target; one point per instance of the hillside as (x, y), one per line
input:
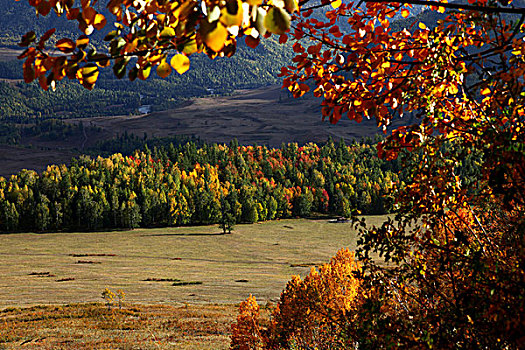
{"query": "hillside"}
(267, 116)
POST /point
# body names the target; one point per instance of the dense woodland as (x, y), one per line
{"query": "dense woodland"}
(187, 185)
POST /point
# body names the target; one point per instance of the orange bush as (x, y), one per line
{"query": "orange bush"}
(311, 313)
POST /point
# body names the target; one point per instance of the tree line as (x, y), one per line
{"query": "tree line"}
(190, 185)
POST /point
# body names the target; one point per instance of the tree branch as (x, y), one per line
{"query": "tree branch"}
(486, 9)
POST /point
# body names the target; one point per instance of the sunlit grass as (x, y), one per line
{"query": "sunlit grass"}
(181, 284)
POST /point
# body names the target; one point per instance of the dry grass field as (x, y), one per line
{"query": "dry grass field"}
(90, 326)
(181, 284)
(14, 158)
(268, 116)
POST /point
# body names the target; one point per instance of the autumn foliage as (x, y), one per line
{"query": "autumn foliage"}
(311, 312)
(190, 185)
(246, 331)
(149, 35)
(450, 271)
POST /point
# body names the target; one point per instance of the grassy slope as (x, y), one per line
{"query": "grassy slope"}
(156, 315)
(262, 254)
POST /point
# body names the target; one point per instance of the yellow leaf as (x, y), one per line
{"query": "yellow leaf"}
(277, 21)
(167, 33)
(291, 5)
(190, 47)
(453, 89)
(180, 63)
(405, 13)
(422, 26)
(232, 14)
(335, 4)
(485, 91)
(88, 75)
(82, 41)
(214, 38)
(163, 69)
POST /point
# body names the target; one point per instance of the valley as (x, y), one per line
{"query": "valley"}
(266, 116)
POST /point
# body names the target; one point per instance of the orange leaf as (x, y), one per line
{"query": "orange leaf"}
(143, 73)
(66, 45)
(89, 15)
(45, 37)
(163, 69)
(42, 80)
(44, 8)
(304, 87)
(29, 73)
(251, 41)
(99, 22)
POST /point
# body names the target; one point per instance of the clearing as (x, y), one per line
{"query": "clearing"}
(181, 284)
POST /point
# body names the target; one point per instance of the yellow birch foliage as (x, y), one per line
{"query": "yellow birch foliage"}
(311, 313)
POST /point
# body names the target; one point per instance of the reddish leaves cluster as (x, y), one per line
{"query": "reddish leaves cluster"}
(370, 70)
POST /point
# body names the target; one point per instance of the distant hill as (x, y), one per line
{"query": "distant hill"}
(204, 103)
(248, 68)
(266, 116)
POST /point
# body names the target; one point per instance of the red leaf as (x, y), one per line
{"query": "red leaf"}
(251, 41)
(45, 37)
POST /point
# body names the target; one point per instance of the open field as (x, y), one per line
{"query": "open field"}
(267, 115)
(196, 276)
(14, 159)
(259, 259)
(92, 326)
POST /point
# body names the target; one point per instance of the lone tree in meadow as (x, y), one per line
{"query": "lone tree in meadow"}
(456, 270)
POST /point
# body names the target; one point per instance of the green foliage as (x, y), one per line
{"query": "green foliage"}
(181, 185)
(20, 101)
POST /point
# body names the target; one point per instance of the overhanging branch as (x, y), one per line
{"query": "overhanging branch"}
(487, 9)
